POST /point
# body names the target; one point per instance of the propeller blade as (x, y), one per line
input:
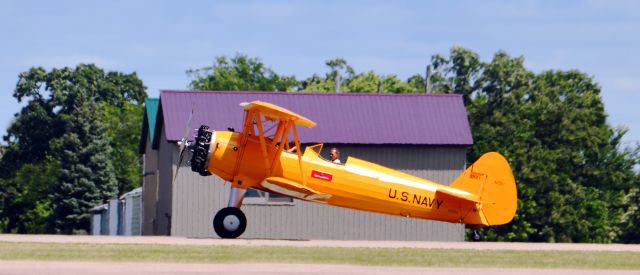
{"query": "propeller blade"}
(183, 145)
(175, 176)
(184, 140)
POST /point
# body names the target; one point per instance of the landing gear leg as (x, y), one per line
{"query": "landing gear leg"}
(230, 222)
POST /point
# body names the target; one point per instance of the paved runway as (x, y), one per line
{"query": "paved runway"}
(104, 268)
(316, 243)
(125, 268)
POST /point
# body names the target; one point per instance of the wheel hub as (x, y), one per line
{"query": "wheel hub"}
(231, 223)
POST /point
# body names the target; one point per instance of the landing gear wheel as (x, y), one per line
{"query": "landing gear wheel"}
(476, 236)
(229, 223)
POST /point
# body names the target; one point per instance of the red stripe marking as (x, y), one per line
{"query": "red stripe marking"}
(321, 175)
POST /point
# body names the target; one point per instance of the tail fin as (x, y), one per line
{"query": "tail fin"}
(490, 178)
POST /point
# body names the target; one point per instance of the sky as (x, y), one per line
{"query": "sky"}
(161, 40)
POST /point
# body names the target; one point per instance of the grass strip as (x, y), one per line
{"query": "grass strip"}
(321, 255)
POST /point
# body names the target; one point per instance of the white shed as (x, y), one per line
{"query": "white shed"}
(132, 210)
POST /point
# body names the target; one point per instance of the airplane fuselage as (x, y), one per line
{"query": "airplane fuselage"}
(356, 184)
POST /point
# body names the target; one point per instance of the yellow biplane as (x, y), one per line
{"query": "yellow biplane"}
(483, 195)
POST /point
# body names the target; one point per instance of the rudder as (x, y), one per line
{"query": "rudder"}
(490, 178)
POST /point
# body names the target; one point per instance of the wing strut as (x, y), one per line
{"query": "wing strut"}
(297, 142)
(263, 145)
(282, 135)
(244, 137)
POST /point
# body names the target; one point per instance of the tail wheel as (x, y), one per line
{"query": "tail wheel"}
(229, 223)
(476, 236)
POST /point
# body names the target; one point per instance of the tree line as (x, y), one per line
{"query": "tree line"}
(71, 147)
(74, 144)
(576, 182)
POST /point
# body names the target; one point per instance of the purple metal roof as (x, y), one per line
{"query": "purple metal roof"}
(342, 118)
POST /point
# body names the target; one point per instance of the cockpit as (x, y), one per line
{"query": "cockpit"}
(317, 151)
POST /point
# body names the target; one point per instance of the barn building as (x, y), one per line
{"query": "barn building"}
(422, 134)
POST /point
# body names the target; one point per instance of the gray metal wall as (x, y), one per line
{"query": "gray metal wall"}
(96, 219)
(113, 211)
(196, 199)
(132, 222)
(100, 222)
(166, 166)
(150, 189)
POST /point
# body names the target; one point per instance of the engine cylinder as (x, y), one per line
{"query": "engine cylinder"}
(202, 151)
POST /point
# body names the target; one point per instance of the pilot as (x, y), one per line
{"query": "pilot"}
(335, 155)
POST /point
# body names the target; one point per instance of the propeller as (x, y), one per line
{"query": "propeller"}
(183, 145)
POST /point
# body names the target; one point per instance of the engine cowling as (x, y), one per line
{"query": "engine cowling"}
(201, 151)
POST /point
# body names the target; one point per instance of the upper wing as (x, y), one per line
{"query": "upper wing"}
(278, 113)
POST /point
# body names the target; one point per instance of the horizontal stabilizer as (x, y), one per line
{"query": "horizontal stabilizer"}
(294, 189)
(459, 194)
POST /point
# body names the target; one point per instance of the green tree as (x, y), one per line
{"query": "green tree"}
(631, 218)
(393, 84)
(316, 83)
(368, 82)
(458, 73)
(27, 150)
(123, 132)
(417, 83)
(570, 172)
(28, 136)
(119, 95)
(337, 67)
(86, 175)
(364, 83)
(52, 97)
(28, 190)
(239, 73)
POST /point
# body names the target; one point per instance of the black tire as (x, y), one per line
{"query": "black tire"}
(476, 236)
(229, 223)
